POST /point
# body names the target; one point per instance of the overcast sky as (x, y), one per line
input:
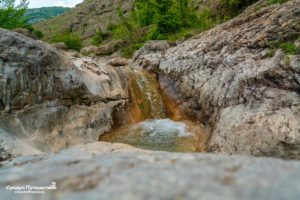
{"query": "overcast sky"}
(47, 3)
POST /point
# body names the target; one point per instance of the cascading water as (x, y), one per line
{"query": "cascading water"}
(147, 103)
(150, 127)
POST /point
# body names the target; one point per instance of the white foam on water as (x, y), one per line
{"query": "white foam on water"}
(165, 127)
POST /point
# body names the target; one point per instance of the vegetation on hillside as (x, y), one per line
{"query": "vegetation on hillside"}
(40, 14)
(287, 46)
(170, 19)
(150, 20)
(71, 40)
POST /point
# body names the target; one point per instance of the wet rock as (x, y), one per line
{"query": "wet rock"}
(250, 101)
(115, 171)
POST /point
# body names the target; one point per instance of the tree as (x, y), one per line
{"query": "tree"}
(12, 15)
(170, 16)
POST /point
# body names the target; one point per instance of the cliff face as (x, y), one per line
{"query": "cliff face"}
(86, 18)
(247, 90)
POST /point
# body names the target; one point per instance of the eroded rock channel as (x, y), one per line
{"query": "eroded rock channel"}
(52, 100)
(153, 121)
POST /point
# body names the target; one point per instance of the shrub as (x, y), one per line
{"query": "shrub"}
(38, 34)
(99, 37)
(170, 16)
(71, 40)
(231, 8)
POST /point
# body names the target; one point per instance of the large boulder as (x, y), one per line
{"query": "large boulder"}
(120, 172)
(53, 99)
(243, 88)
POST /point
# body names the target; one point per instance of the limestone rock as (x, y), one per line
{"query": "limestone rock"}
(249, 100)
(150, 54)
(89, 50)
(25, 32)
(52, 99)
(11, 146)
(110, 48)
(118, 62)
(120, 172)
(60, 46)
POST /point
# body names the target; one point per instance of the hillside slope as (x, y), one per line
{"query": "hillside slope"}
(85, 18)
(36, 15)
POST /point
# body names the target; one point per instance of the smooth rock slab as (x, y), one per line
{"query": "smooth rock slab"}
(116, 171)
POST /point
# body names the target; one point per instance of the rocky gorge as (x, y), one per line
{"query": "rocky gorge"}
(228, 90)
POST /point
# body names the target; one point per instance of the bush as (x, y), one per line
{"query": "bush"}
(38, 34)
(99, 37)
(153, 20)
(71, 40)
(231, 8)
(170, 16)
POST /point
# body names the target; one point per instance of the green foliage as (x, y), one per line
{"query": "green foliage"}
(231, 8)
(171, 20)
(12, 15)
(154, 20)
(38, 34)
(169, 16)
(270, 53)
(276, 1)
(71, 40)
(99, 37)
(288, 47)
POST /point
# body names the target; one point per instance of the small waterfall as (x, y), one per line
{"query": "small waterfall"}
(147, 102)
(155, 122)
